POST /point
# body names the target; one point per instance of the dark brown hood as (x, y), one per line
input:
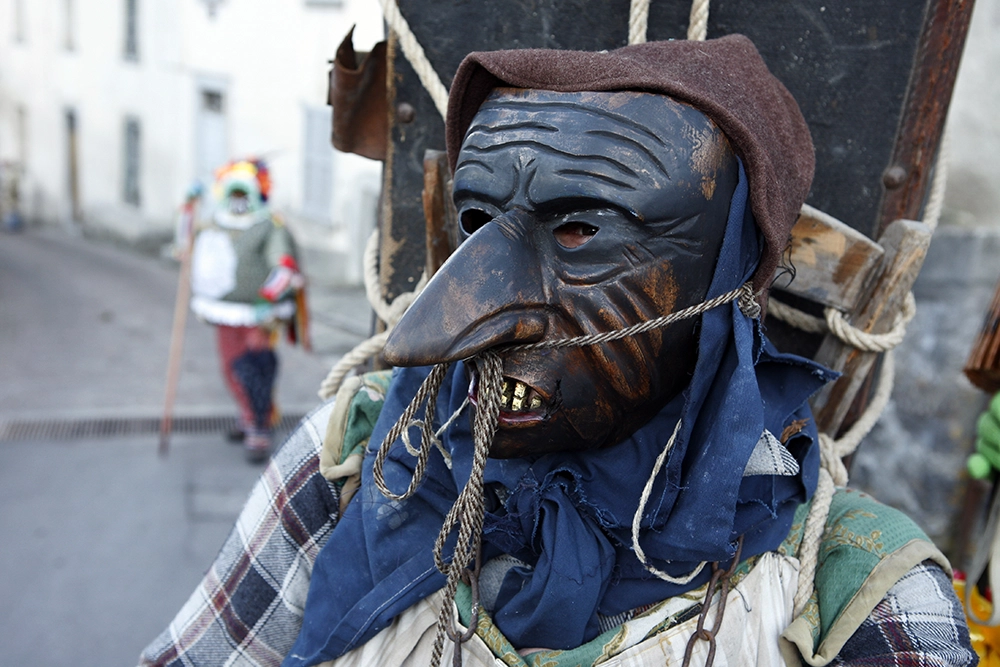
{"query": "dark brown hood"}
(724, 78)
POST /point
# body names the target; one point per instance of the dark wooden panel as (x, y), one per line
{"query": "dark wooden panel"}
(849, 64)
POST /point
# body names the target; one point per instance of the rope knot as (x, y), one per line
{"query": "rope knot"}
(748, 301)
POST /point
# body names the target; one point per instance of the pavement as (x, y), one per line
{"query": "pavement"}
(104, 540)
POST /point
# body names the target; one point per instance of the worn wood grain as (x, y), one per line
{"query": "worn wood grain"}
(928, 96)
(905, 243)
(439, 210)
(983, 366)
(830, 263)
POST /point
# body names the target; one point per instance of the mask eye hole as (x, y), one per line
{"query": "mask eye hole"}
(473, 218)
(574, 234)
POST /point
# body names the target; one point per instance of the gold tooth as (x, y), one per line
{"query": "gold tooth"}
(506, 386)
(517, 403)
(536, 402)
(520, 389)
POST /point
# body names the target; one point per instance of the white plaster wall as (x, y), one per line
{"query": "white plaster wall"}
(274, 58)
(973, 194)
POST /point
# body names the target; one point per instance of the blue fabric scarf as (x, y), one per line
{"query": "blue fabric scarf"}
(568, 516)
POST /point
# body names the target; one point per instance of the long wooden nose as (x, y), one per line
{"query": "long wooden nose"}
(488, 293)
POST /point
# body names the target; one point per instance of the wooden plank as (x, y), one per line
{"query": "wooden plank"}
(909, 173)
(831, 263)
(414, 124)
(983, 366)
(905, 243)
(440, 215)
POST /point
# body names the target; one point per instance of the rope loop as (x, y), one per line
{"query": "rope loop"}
(833, 473)
(869, 342)
(469, 510)
(426, 396)
(795, 317)
(637, 518)
(834, 322)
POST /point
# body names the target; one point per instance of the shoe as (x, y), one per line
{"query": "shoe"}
(257, 447)
(236, 435)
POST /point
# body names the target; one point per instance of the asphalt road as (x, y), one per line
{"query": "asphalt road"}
(102, 540)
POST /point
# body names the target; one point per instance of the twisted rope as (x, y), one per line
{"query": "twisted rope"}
(468, 511)
(869, 342)
(637, 518)
(747, 302)
(638, 19)
(833, 473)
(795, 317)
(361, 353)
(415, 56)
(698, 22)
(426, 394)
(935, 200)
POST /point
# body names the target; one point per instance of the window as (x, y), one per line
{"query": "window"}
(211, 101)
(211, 134)
(19, 20)
(131, 30)
(317, 172)
(132, 162)
(213, 6)
(69, 43)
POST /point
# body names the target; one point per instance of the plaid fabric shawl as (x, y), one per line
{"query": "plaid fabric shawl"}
(248, 609)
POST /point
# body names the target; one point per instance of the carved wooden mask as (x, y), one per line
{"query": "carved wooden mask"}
(581, 213)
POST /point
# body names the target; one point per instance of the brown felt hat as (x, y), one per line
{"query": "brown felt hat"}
(724, 78)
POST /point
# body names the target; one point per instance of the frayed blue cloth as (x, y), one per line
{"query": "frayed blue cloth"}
(569, 516)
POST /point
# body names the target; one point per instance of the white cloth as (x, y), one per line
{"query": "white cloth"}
(758, 609)
(213, 265)
(232, 314)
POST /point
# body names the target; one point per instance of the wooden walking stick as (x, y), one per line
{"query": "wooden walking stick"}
(186, 225)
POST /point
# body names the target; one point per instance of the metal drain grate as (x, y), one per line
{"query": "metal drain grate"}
(53, 429)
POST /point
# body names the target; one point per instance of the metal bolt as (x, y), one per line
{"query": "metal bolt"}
(894, 177)
(405, 113)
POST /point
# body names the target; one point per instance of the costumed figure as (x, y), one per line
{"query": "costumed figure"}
(244, 275)
(589, 453)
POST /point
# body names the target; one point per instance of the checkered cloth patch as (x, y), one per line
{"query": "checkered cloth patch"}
(247, 611)
(919, 623)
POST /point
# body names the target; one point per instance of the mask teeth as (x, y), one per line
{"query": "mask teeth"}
(517, 396)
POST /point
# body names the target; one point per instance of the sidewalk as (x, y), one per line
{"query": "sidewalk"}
(103, 539)
(85, 331)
